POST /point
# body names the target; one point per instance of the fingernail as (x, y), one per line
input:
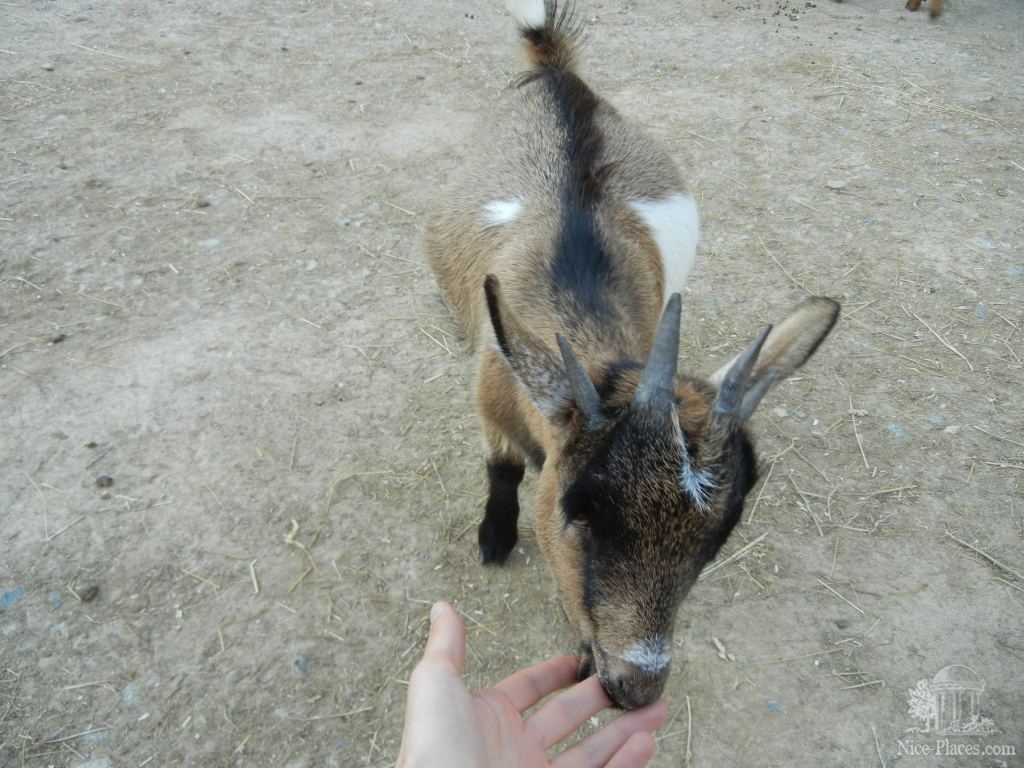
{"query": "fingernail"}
(435, 612)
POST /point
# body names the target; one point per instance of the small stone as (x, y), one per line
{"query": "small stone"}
(953, 429)
(780, 413)
(91, 444)
(104, 481)
(835, 184)
(842, 623)
(48, 66)
(88, 594)
(58, 338)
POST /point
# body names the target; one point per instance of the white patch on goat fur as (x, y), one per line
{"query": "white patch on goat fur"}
(696, 483)
(652, 654)
(503, 211)
(675, 228)
(528, 14)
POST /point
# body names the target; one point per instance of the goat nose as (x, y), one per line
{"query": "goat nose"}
(632, 692)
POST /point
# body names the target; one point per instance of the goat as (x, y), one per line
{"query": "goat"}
(562, 247)
(934, 8)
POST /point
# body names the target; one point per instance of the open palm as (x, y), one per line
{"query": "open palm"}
(447, 725)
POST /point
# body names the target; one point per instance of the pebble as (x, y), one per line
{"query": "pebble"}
(780, 413)
(88, 594)
(835, 184)
(301, 662)
(104, 481)
(953, 429)
(48, 66)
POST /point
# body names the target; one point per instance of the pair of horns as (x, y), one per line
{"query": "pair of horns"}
(736, 397)
(659, 380)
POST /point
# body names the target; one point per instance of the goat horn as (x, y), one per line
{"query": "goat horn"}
(583, 390)
(735, 383)
(755, 393)
(659, 380)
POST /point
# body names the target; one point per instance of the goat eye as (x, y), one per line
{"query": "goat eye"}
(580, 522)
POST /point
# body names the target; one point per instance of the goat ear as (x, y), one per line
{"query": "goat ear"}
(537, 368)
(788, 346)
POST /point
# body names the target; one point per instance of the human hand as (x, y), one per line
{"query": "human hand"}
(446, 725)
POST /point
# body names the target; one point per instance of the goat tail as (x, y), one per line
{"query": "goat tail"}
(549, 33)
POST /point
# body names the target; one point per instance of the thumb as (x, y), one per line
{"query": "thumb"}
(447, 639)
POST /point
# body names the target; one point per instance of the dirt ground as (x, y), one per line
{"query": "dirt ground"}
(238, 445)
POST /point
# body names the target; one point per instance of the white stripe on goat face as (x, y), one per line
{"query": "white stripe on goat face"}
(675, 228)
(652, 654)
(499, 212)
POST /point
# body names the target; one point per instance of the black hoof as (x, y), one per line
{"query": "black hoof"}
(495, 544)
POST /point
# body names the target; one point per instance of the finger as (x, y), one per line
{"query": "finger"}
(635, 753)
(528, 686)
(567, 711)
(603, 744)
(446, 642)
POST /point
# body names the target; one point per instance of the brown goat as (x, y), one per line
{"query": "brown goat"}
(570, 220)
(934, 8)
